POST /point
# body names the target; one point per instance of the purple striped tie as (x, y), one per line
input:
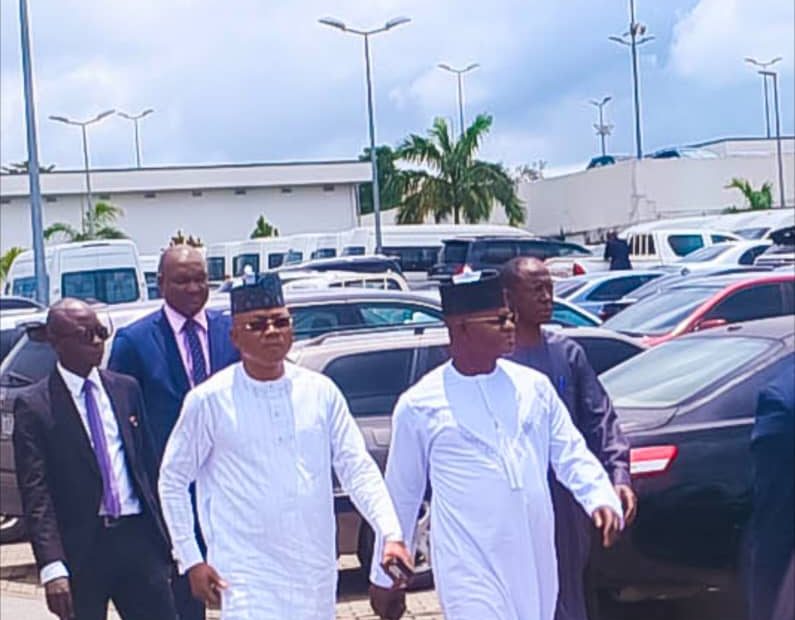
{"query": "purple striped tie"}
(110, 491)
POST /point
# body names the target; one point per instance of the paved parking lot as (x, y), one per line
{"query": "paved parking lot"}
(21, 598)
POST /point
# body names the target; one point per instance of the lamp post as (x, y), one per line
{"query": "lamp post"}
(762, 66)
(135, 118)
(602, 130)
(37, 229)
(366, 34)
(633, 38)
(459, 75)
(774, 76)
(83, 125)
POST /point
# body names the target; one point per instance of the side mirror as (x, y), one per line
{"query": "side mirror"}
(710, 324)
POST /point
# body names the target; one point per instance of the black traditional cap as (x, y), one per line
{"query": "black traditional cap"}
(257, 293)
(473, 291)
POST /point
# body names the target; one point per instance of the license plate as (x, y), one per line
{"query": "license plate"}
(6, 424)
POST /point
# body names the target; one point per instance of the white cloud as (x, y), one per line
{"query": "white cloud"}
(711, 40)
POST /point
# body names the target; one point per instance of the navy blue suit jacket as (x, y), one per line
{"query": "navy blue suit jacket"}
(147, 350)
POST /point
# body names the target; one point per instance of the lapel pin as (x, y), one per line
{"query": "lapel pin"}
(134, 421)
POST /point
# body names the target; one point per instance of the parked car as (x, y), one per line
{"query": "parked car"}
(305, 280)
(12, 302)
(594, 292)
(782, 252)
(373, 263)
(726, 254)
(491, 252)
(687, 408)
(704, 303)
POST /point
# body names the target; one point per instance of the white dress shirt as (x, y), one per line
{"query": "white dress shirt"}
(261, 454)
(486, 442)
(130, 504)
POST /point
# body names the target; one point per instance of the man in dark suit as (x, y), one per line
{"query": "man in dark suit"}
(617, 252)
(171, 351)
(82, 445)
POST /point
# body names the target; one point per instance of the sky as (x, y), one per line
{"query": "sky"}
(262, 81)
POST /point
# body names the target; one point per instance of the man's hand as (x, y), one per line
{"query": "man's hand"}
(397, 551)
(59, 598)
(629, 502)
(608, 523)
(388, 603)
(206, 584)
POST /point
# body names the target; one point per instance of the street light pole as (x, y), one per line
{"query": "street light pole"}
(37, 229)
(135, 118)
(392, 23)
(634, 38)
(459, 74)
(602, 130)
(89, 220)
(763, 66)
(774, 76)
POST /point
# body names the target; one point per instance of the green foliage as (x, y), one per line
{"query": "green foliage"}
(388, 180)
(181, 239)
(103, 215)
(757, 199)
(263, 229)
(6, 260)
(452, 182)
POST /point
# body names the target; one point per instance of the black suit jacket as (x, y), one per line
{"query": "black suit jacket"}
(59, 478)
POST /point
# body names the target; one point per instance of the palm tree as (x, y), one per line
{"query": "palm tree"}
(757, 199)
(6, 260)
(103, 215)
(263, 229)
(454, 182)
(181, 239)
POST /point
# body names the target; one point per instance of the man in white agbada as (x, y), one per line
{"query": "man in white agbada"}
(484, 432)
(259, 439)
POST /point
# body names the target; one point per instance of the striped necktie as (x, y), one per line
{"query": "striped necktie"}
(197, 363)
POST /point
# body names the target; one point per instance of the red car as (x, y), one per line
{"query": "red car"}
(705, 302)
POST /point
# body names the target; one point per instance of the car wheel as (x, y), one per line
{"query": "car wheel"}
(423, 575)
(12, 529)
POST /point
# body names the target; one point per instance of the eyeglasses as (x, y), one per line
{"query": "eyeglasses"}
(500, 320)
(87, 335)
(263, 323)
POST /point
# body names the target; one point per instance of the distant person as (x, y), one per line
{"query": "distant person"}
(81, 445)
(260, 438)
(563, 361)
(772, 540)
(172, 350)
(617, 252)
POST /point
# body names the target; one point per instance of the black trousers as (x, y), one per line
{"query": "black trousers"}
(128, 567)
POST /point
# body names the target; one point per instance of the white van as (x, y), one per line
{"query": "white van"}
(219, 261)
(259, 254)
(149, 265)
(107, 271)
(309, 246)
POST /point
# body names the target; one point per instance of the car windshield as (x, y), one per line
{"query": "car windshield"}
(671, 373)
(455, 252)
(705, 255)
(661, 313)
(751, 233)
(567, 288)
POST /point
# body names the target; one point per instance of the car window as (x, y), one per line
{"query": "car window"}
(721, 238)
(275, 260)
(751, 233)
(240, 261)
(30, 362)
(379, 315)
(372, 382)
(668, 375)
(216, 268)
(111, 286)
(749, 304)
(436, 356)
(705, 254)
(568, 287)
(569, 317)
(537, 249)
(682, 245)
(313, 321)
(568, 249)
(604, 353)
(660, 313)
(493, 252)
(24, 287)
(617, 288)
(749, 256)
(354, 250)
(455, 252)
(323, 253)
(414, 259)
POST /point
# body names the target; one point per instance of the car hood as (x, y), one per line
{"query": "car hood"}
(637, 419)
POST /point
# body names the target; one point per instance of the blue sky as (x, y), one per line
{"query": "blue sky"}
(247, 80)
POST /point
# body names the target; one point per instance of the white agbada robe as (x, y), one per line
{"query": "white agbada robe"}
(261, 454)
(485, 443)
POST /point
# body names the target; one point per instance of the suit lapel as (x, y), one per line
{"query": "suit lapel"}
(168, 344)
(69, 421)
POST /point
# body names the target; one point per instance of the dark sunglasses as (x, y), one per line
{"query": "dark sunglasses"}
(262, 324)
(87, 335)
(500, 320)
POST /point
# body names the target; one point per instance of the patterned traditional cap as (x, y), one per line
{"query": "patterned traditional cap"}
(473, 291)
(257, 293)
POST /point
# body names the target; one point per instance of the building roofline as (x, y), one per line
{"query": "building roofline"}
(730, 139)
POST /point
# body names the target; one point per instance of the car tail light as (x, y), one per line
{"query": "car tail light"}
(577, 269)
(459, 269)
(651, 460)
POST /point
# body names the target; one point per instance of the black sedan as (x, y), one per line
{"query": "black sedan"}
(687, 408)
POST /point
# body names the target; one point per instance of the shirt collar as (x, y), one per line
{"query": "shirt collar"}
(74, 383)
(177, 321)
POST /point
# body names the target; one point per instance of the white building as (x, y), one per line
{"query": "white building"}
(216, 203)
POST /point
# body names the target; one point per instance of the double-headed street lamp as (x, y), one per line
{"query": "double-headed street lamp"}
(774, 76)
(634, 37)
(83, 125)
(135, 118)
(763, 66)
(392, 23)
(602, 130)
(459, 73)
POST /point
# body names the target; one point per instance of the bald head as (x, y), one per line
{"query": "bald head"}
(182, 278)
(529, 287)
(76, 334)
(65, 312)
